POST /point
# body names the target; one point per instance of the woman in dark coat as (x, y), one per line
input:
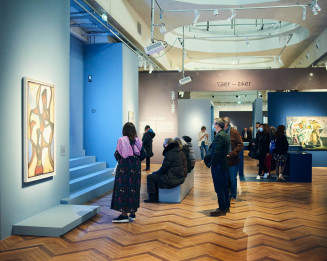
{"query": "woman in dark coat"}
(171, 174)
(126, 193)
(147, 140)
(280, 152)
(262, 148)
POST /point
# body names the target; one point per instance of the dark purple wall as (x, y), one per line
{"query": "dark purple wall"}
(155, 107)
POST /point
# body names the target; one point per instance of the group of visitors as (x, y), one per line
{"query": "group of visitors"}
(270, 147)
(179, 160)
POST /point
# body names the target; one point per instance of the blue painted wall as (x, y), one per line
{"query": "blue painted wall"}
(76, 94)
(34, 43)
(282, 105)
(103, 100)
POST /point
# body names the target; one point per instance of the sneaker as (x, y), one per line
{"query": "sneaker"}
(280, 177)
(121, 219)
(233, 200)
(132, 216)
(218, 213)
(258, 177)
(265, 175)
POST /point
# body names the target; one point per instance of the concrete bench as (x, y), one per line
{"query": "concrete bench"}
(177, 194)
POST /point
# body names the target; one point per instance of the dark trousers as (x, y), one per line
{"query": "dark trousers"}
(262, 165)
(220, 182)
(152, 185)
(147, 162)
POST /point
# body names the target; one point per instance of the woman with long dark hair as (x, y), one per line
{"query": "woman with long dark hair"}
(262, 149)
(280, 153)
(126, 193)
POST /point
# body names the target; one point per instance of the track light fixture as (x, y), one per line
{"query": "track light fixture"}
(247, 43)
(313, 9)
(216, 12)
(315, 4)
(196, 16)
(163, 29)
(150, 68)
(280, 59)
(304, 13)
(232, 15)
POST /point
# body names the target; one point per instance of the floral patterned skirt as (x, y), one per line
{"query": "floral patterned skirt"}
(280, 157)
(126, 193)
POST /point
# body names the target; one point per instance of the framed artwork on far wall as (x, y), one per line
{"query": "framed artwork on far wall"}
(309, 132)
(39, 130)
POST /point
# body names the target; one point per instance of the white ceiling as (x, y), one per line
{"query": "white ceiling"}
(253, 39)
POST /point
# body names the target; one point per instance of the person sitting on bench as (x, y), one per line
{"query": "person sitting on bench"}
(171, 174)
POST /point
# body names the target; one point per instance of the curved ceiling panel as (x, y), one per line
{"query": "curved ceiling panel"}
(238, 36)
(224, 2)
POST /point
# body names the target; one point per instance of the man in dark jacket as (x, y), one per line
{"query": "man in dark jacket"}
(171, 174)
(219, 168)
(233, 157)
(147, 143)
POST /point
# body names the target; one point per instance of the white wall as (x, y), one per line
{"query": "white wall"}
(192, 115)
(130, 86)
(34, 43)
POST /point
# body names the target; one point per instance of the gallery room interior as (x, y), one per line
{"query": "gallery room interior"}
(75, 71)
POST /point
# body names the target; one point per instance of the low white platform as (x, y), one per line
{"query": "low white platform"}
(177, 194)
(56, 221)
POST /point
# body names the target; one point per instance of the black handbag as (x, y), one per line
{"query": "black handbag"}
(208, 157)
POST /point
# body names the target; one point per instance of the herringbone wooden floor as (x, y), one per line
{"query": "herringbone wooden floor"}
(272, 221)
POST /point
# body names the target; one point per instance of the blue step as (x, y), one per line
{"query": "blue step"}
(86, 194)
(75, 162)
(76, 154)
(55, 221)
(86, 169)
(90, 179)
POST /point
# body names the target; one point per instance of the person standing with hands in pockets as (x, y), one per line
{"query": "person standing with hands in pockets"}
(203, 141)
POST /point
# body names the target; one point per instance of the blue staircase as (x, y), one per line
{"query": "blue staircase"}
(88, 178)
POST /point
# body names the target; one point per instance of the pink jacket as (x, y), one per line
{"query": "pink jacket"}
(124, 148)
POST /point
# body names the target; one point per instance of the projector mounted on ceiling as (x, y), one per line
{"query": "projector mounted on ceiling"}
(185, 80)
(154, 48)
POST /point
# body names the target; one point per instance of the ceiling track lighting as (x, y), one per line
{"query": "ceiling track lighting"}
(196, 16)
(163, 29)
(313, 9)
(315, 4)
(150, 68)
(216, 12)
(247, 43)
(280, 59)
(232, 15)
(304, 13)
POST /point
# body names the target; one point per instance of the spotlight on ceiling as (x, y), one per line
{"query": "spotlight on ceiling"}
(313, 9)
(237, 96)
(185, 80)
(196, 16)
(154, 48)
(304, 13)
(232, 15)
(315, 4)
(150, 68)
(280, 59)
(216, 12)
(163, 29)
(247, 43)
(239, 102)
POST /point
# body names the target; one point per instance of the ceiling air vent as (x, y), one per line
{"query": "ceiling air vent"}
(139, 28)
